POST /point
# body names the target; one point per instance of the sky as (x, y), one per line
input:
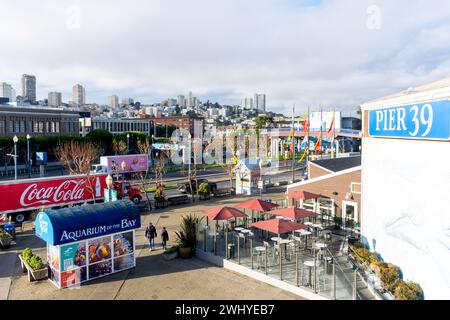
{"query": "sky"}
(329, 54)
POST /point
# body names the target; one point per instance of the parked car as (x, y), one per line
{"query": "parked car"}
(133, 193)
(185, 187)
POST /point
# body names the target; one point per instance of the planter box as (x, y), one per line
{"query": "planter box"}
(170, 256)
(186, 252)
(33, 275)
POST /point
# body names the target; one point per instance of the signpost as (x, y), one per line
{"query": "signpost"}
(260, 187)
(427, 120)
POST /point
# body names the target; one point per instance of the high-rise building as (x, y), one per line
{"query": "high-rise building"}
(29, 87)
(6, 91)
(247, 103)
(113, 102)
(54, 99)
(190, 101)
(78, 94)
(127, 101)
(260, 102)
(181, 101)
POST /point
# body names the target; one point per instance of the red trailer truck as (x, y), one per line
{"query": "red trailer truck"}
(19, 198)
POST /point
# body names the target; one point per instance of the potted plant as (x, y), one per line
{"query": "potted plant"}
(5, 239)
(186, 235)
(171, 253)
(204, 191)
(408, 291)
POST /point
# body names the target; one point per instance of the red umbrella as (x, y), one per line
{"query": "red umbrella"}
(303, 195)
(294, 213)
(278, 226)
(257, 205)
(223, 213)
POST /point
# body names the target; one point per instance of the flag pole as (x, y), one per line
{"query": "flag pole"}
(293, 143)
(321, 129)
(334, 132)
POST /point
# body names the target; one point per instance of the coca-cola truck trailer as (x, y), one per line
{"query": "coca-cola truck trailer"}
(19, 198)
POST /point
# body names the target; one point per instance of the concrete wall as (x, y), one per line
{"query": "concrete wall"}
(406, 205)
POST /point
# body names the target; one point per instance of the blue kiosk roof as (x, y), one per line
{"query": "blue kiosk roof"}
(84, 222)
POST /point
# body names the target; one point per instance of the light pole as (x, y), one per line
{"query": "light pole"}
(123, 165)
(28, 156)
(109, 182)
(15, 140)
(128, 143)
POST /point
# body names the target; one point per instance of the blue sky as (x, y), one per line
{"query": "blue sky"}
(330, 53)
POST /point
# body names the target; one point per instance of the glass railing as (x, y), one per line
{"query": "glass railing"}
(311, 268)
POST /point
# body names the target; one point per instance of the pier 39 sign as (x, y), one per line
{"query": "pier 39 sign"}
(428, 120)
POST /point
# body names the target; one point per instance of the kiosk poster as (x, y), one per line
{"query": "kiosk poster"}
(124, 262)
(99, 249)
(123, 243)
(100, 269)
(73, 277)
(53, 256)
(73, 255)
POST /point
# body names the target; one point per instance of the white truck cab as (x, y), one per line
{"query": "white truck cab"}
(98, 168)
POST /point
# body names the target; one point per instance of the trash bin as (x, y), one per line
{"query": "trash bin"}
(11, 229)
(329, 265)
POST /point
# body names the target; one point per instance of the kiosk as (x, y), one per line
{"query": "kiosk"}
(88, 242)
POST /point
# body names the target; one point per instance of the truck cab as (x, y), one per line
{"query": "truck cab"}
(133, 193)
(98, 168)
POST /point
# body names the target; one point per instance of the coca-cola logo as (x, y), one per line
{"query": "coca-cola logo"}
(67, 191)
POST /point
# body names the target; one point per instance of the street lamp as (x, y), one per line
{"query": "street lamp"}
(128, 143)
(15, 140)
(123, 166)
(109, 183)
(28, 156)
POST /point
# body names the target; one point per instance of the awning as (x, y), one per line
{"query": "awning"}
(257, 205)
(84, 222)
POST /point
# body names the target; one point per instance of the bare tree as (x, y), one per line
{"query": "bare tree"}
(144, 147)
(77, 158)
(159, 168)
(118, 146)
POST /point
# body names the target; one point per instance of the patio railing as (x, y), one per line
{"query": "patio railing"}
(298, 263)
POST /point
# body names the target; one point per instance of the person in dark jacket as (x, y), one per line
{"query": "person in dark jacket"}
(150, 233)
(164, 237)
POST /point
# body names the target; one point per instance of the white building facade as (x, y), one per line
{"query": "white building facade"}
(406, 184)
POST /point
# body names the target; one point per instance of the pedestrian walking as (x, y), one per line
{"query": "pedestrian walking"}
(151, 234)
(164, 237)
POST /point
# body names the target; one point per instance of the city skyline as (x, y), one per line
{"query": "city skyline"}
(267, 48)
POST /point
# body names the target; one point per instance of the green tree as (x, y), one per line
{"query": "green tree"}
(263, 121)
(103, 138)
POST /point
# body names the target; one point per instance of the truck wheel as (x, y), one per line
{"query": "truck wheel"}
(136, 200)
(19, 218)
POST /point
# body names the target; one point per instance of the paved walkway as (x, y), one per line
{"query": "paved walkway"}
(153, 277)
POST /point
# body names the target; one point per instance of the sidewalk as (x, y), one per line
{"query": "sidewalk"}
(155, 278)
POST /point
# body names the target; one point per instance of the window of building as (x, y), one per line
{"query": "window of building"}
(22, 126)
(2, 126)
(57, 127)
(41, 127)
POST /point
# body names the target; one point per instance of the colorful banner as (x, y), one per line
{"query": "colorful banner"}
(133, 163)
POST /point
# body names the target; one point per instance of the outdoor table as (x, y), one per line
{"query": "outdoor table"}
(282, 242)
(309, 264)
(306, 234)
(308, 223)
(321, 245)
(259, 257)
(245, 231)
(238, 228)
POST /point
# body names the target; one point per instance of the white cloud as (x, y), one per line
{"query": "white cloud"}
(302, 52)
